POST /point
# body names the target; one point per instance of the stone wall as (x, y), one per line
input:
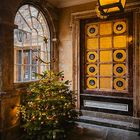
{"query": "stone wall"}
(65, 38)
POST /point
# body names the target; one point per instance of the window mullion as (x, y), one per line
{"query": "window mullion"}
(31, 16)
(25, 20)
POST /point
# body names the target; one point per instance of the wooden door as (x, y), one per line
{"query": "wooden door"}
(106, 65)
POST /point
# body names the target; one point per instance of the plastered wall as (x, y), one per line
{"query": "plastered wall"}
(65, 38)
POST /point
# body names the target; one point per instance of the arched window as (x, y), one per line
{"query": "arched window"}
(31, 42)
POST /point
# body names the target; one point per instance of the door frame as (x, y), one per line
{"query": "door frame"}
(75, 27)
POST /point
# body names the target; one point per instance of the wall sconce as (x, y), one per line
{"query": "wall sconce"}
(106, 7)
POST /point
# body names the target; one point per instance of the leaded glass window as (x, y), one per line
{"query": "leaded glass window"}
(31, 41)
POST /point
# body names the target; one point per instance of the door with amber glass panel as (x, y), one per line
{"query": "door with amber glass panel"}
(106, 65)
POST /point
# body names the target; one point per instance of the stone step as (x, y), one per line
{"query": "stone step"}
(97, 132)
(110, 123)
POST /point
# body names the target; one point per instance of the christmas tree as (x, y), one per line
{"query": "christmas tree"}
(48, 108)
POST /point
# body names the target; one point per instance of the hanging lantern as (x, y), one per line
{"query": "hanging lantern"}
(99, 13)
(107, 7)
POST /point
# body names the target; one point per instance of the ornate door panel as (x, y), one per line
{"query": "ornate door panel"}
(106, 65)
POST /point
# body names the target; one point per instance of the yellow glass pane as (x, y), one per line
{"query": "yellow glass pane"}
(106, 83)
(91, 83)
(113, 9)
(105, 28)
(92, 43)
(105, 56)
(92, 69)
(123, 2)
(120, 84)
(92, 30)
(105, 42)
(120, 41)
(119, 69)
(92, 56)
(105, 2)
(105, 69)
(119, 55)
(119, 27)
